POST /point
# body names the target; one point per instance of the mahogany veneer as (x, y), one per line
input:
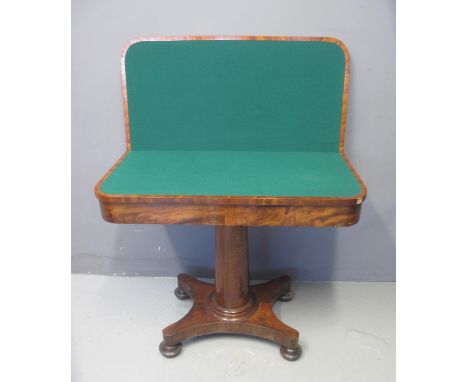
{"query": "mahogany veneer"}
(231, 305)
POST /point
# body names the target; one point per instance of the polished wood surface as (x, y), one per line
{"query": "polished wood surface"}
(232, 267)
(260, 322)
(231, 305)
(231, 215)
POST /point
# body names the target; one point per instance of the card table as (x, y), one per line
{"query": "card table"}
(233, 132)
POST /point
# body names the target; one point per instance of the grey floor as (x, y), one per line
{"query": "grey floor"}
(347, 334)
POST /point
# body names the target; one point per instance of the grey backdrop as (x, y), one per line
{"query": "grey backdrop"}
(363, 252)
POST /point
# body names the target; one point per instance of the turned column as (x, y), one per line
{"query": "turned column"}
(232, 267)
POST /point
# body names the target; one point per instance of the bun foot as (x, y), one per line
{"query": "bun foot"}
(170, 351)
(291, 354)
(180, 294)
(288, 296)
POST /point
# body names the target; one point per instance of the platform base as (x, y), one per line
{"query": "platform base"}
(254, 318)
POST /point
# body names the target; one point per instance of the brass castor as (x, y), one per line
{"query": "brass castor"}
(291, 354)
(170, 351)
(180, 294)
(288, 296)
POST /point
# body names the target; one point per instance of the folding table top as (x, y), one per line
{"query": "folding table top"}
(235, 117)
(227, 173)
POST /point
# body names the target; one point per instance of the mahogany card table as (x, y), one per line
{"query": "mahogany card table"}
(233, 132)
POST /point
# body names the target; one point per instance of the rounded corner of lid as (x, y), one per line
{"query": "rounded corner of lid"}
(131, 43)
(101, 194)
(340, 44)
(98, 193)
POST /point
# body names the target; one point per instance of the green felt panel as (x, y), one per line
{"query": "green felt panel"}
(235, 95)
(228, 173)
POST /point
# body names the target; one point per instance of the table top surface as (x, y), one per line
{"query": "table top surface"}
(228, 173)
(234, 126)
(255, 95)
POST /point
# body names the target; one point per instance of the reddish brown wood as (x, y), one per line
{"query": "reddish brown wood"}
(232, 267)
(262, 323)
(231, 305)
(231, 215)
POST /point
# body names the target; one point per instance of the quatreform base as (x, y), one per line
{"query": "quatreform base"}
(231, 305)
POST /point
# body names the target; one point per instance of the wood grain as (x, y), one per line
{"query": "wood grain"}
(319, 216)
(232, 267)
(258, 322)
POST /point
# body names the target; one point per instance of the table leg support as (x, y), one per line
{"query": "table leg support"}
(231, 305)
